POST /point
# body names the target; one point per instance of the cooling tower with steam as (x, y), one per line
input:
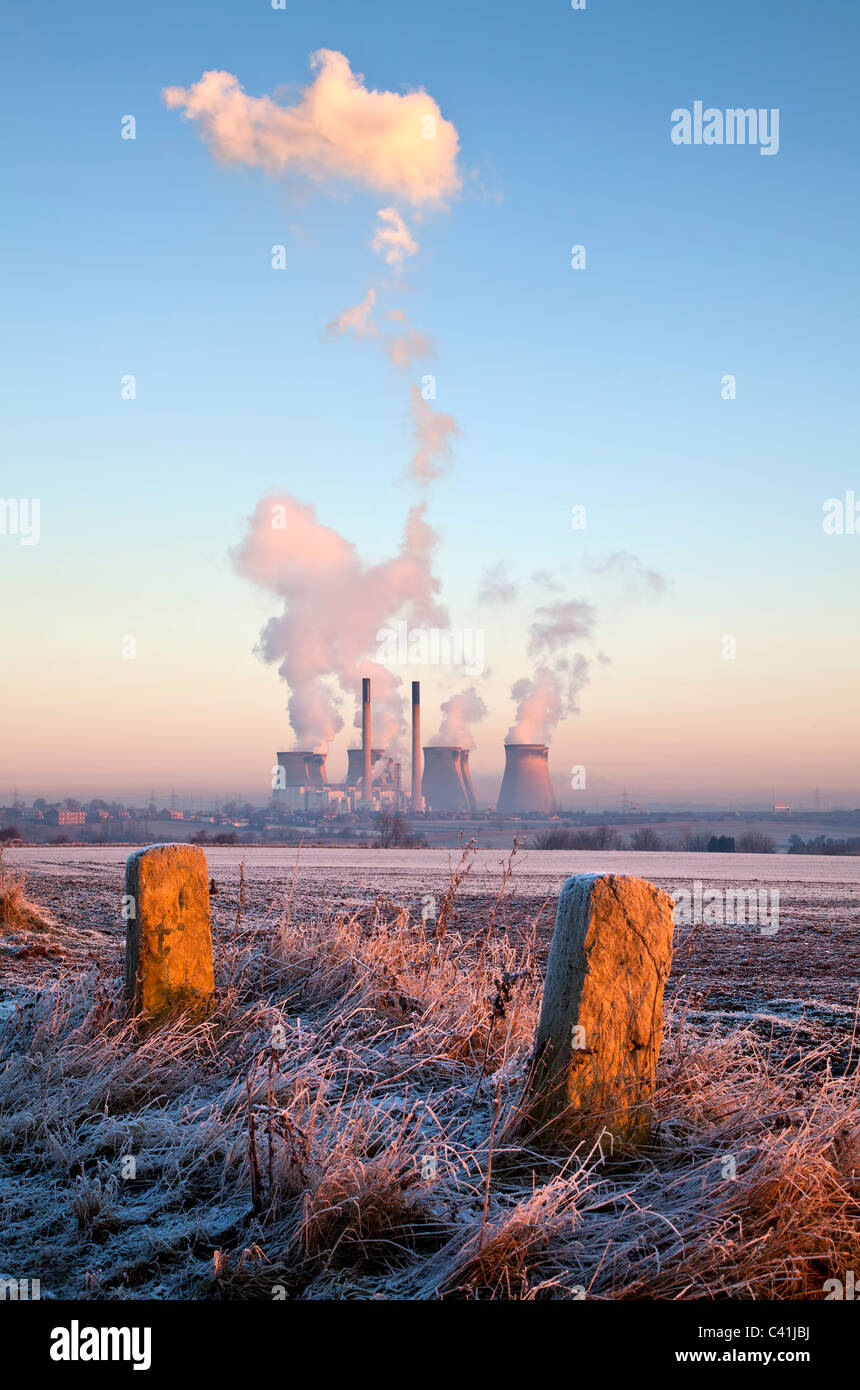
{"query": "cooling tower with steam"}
(303, 769)
(355, 764)
(526, 786)
(442, 785)
(317, 776)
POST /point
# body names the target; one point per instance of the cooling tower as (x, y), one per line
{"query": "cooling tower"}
(526, 786)
(355, 764)
(303, 769)
(295, 767)
(317, 775)
(417, 802)
(466, 779)
(442, 785)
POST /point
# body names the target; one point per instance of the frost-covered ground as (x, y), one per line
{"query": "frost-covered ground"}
(807, 973)
(333, 1129)
(544, 870)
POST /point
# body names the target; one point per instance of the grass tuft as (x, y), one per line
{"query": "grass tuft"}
(16, 913)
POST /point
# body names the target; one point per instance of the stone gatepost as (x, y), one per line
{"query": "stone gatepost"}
(168, 947)
(601, 1021)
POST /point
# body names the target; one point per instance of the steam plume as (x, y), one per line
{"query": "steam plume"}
(403, 348)
(338, 130)
(636, 574)
(495, 586)
(556, 623)
(545, 698)
(393, 237)
(460, 712)
(358, 319)
(333, 607)
(433, 433)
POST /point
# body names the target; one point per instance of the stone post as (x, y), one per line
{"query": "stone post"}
(601, 1021)
(168, 948)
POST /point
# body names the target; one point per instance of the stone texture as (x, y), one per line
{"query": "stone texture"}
(168, 949)
(601, 1021)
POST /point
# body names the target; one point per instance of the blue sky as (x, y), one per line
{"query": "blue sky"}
(599, 387)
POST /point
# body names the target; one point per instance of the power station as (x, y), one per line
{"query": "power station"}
(373, 780)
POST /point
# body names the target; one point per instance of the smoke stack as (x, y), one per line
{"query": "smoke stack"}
(442, 784)
(365, 738)
(417, 799)
(466, 779)
(526, 786)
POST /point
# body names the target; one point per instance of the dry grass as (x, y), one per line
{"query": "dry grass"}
(16, 913)
(327, 1130)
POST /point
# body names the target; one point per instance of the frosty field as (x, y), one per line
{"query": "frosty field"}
(335, 1127)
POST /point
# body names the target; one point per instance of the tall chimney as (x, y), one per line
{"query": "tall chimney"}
(365, 738)
(417, 799)
(526, 785)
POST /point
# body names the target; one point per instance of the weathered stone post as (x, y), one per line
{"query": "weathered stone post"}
(601, 1021)
(168, 945)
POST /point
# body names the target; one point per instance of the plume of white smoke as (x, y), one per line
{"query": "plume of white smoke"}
(337, 131)
(495, 586)
(544, 580)
(393, 237)
(358, 319)
(539, 707)
(636, 575)
(433, 432)
(557, 623)
(545, 698)
(333, 607)
(460, 712)
(340, 130)
(405, 347)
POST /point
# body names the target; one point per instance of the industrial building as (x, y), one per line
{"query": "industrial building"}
(373, 780)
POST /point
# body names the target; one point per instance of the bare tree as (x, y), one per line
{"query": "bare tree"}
(754, 842)
(646, 838)
(394, 833)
